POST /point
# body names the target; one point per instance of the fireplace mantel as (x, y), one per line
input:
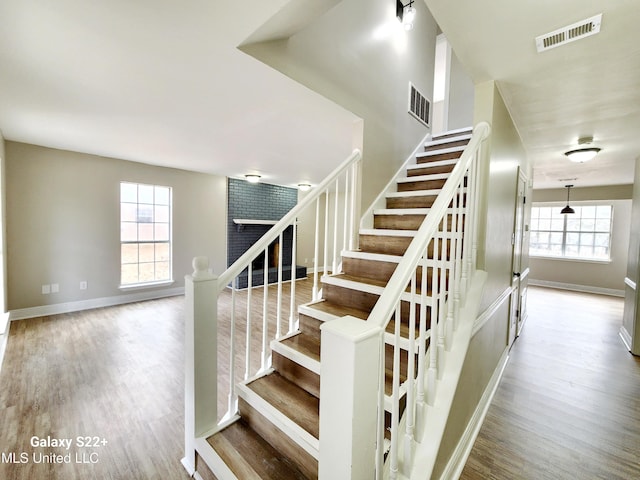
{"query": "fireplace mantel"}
(241, 222)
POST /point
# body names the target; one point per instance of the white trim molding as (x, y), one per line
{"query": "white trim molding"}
(629, 283)
(577, 288)
(459, 457)
(626, 338)
(67, 307)
(491, 310)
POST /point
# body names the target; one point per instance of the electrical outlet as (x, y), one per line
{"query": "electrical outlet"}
(55, 288)
(83, 285)
(46, 289)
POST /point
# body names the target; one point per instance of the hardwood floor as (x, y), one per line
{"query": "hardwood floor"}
(116, 373)
(568, 405)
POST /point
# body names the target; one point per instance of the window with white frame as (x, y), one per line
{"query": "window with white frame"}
(584, 235)
(145, 234)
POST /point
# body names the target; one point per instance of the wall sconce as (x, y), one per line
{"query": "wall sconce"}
(567, 209)
(252, 177)
(583, 154)
(304, 187)
(406, 14)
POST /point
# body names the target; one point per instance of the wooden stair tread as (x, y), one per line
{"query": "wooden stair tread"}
(304, 343)
(251, 457)
(291, 400)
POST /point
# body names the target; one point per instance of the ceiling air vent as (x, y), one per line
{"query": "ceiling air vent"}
(419, 105)
(570, 33)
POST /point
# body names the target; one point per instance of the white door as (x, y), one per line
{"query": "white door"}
(516, 263)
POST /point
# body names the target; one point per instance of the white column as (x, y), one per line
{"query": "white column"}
(201, 298)
(349, 382)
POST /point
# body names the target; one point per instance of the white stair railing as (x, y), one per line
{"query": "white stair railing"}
(425, 291)
(338, 231)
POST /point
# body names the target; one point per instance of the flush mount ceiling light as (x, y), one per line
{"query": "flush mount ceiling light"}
(567, 209)
(252, 177)
(584, 153)
(406, 14)
(304, 187)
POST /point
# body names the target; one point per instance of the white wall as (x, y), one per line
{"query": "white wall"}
(63, 222)
(358, 55)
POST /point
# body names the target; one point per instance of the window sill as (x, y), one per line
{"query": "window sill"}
(141, 286)
(572, 259)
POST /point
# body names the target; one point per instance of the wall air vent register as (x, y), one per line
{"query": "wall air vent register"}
(419, 105)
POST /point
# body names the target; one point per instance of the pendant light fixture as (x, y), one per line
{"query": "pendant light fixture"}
(567, 209)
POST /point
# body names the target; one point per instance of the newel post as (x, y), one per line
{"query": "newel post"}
(349, 382)
(201, 327)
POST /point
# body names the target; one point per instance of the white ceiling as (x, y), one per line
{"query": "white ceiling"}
(162, 82)
(590, 87)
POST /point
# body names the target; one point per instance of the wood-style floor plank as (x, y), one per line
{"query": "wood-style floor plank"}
(568, 405)
(116, 373)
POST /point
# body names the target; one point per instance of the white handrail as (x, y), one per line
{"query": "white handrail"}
(442, 231)
(257, 248)
(386, 304)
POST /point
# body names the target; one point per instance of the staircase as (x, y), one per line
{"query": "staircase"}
(275, 431)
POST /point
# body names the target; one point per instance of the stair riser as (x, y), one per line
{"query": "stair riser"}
(428, 170)
(280, 441)
(392, 245)
(421, 185)
(423, 201)
(364, 301)
(403, 222)
(310, 325)
(294, 372)
(438, 157)
(381, 271)
(373, 269)
(458, 143)
(404, 362)
(384, 244)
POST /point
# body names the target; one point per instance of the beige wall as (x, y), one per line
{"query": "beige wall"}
(594, 276)
(496, 223)
(631, 318)
(3, 231)
(461, 93)
(63, 222)
(370, 78)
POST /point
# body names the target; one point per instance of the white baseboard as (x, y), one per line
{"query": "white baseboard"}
(626, 337)
(58, 308)
(459, 457)
(3, 346)
(4, 323)
(577, 288)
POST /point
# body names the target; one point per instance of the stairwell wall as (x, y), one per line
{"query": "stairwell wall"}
(358, 55)
(505, 155)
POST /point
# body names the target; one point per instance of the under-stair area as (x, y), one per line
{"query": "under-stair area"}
(274, 432)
